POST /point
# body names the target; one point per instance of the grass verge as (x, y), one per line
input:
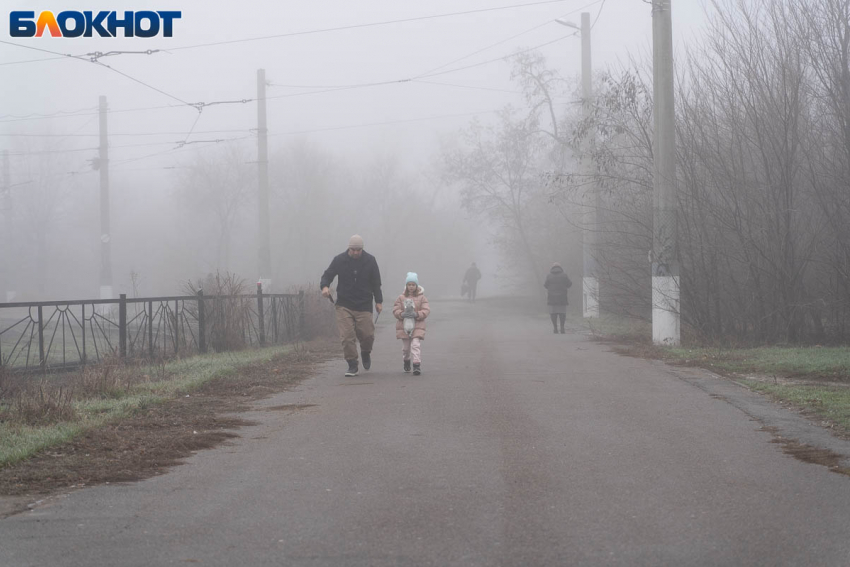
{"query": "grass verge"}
(102, 394)
(829, 403)
(815, 380)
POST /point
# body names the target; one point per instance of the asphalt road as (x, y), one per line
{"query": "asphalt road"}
(515, 447)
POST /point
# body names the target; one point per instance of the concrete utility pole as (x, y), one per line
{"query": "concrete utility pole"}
(7, 286)
(665, 264)
(265, 258)
(590, 283)
(105, 233)
(589, 196)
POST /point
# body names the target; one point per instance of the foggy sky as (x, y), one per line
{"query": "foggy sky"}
(365, 55)
(141, 163)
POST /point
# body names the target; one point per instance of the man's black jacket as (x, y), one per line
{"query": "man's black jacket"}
(359, 280)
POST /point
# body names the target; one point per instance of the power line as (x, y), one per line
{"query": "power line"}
(321, 89)
(547, 22)
(94, 58)
(121, 111)
(144, 84)
(115, 134)
(177, 143)
(602, 7)
(385, 123)
(456, 69)
(51, 115)
(416, 79)
(367, 25)
(283, 35)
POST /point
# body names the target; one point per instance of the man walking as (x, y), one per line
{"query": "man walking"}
(470, 278)
(359, 281)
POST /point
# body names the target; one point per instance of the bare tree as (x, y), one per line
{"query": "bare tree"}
(217, 186)
(499, 175)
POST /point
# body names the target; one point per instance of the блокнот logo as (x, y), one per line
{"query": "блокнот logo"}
(69, 23)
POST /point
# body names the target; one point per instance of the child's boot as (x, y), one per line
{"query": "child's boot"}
(416, 369)
(407, 366)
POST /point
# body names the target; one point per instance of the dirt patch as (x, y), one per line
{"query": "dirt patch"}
(808, 454)
(289, 407)
(161, 436)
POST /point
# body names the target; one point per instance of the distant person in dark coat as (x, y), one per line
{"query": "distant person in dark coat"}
(359, 282)
(473, 274)
(558, 283)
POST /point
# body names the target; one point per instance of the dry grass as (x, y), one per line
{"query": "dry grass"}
(39, 403)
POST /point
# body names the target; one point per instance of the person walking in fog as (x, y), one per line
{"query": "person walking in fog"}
(411, 309)
(473, 274)
(557, 283)
(359, 282)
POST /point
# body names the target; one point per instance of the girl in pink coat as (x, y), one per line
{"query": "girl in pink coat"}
(411, 307)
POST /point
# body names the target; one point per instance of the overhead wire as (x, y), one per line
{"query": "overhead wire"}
(384, 123)
(431, 73)
(117, 134)
(371, 24)
(322, 89)
(599, 13)
(283, 35)
(529, 30)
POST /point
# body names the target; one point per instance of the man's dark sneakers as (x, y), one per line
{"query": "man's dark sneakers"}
(416, 369)
(563, 332)
(352, 368)
(366, 357)
(555, 330)
(407, 366)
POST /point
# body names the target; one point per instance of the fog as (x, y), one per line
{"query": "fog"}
(344, 157)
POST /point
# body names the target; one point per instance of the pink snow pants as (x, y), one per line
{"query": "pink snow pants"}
(411, 347)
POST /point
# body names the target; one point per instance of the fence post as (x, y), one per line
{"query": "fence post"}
(202, 334)
(83, 320)
(122, 325)
(302, 316)
(274, 317)
(176, 326)
(41, 361)
(262, 319)
(150, 329)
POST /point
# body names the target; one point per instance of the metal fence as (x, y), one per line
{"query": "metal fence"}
(64, 334)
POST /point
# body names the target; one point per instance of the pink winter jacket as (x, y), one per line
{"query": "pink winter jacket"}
(422, 311)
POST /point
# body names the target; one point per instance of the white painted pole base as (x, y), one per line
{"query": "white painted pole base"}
(665, 311)
(590, 296)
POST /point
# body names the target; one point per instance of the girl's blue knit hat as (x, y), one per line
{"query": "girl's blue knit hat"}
(412, 277)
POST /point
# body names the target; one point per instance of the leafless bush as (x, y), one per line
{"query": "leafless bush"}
(109, 379)
(227, 310)
(319, 318)
(39, 403)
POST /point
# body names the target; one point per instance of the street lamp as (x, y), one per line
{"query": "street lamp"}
(590, 283)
